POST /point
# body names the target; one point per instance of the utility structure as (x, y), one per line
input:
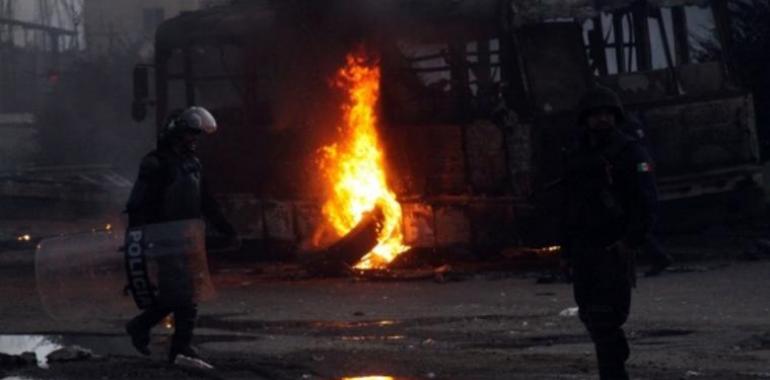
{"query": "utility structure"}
(36, 41)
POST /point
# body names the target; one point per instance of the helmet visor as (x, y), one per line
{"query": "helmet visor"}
(198, 118)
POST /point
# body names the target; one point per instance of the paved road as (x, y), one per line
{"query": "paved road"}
(711, 323)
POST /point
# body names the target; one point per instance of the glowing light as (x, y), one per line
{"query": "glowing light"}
(168, 322)
(354, 166)
(551, 249)
(369, 378)
(372, 338)
(24, 237)
(108, 227)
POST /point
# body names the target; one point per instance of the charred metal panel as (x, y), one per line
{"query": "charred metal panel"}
(235, 23)
(486, 157)
(534, 11)
(430, 19)
(698, 136)
(519, 145)
(426, 19)
(639, 87)
(452, 226)
(244, 211)
(419, 225)
(702, 78)
(429, 159)
(555, 133)
(279, 222)
(556, 64)
(309, 218)
(492, 223)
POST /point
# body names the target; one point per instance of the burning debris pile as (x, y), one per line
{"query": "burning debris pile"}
(361, 211)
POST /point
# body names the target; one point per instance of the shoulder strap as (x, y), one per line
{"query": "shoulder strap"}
(620, 143)
(163, 159)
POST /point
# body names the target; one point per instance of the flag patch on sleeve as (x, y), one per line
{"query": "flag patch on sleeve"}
(644, 167)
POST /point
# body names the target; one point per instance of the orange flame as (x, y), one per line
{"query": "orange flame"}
(354, 166)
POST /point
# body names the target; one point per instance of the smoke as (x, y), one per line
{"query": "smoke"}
(84, 119)
(309, 43)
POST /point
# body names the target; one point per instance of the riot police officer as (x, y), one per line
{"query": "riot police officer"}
(610, 203)
(169, 188)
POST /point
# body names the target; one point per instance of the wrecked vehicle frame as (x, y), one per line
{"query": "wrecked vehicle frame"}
(477, 103)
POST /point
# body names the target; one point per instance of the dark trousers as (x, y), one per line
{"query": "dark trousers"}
(184, 322)
(602, 287)
(652, 248)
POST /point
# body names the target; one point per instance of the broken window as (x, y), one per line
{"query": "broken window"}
(642, 38)
(677, 48)
(446, 82)
(701, 34)
(217, 74)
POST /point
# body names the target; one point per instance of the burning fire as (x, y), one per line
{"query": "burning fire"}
(354, 166)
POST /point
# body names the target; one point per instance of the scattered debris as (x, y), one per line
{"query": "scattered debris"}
(70, 353)
(695, 268)
(552, 278)
(192, 363)
(763, 246)
(569, 312)
(757, 249)
(755, 342)
(439, 274)
(759, 375)
(691, 374)
(338, 258)
(75, 183)
(17, 361)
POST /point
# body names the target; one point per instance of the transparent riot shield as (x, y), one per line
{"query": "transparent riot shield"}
(97, 275)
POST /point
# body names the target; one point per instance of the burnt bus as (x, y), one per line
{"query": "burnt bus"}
(477, 103)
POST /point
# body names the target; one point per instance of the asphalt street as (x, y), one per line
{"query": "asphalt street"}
(704, 320)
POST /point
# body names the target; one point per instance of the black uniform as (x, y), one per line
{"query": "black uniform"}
(169, 188)
(636, 127)
(610, 197)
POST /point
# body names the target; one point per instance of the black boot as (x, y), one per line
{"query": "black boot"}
(611, 353)
(181, 342)
(139, 327)
(660, 259)
(183, 354)
(658, 266)
(185, 350)
(140, 336)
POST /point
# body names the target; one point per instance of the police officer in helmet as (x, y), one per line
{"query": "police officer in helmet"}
(610, 207)
(169, 188)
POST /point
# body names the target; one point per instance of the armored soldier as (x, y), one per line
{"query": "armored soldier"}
(170, 188)
(610, 203)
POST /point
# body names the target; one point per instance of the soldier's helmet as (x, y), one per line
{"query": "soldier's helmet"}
(191, 120)
(600, 97)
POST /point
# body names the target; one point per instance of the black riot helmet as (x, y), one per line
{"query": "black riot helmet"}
(600, 97)
(195, 120)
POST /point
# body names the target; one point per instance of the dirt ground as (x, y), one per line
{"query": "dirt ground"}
(703, 320)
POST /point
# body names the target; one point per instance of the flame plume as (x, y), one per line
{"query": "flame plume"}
(354, 166)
